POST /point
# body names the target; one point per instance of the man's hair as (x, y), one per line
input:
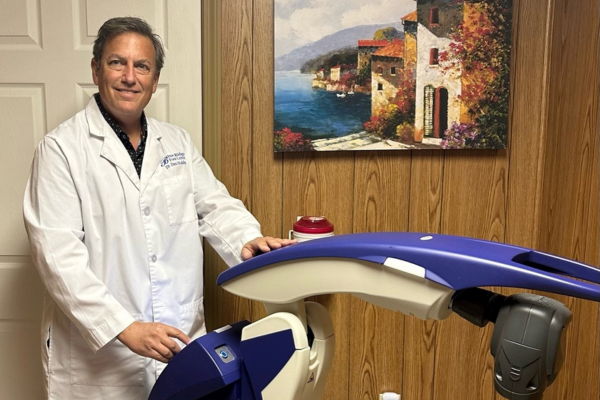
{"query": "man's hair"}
(117, 26)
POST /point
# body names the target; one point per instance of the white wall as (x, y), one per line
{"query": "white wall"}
(45, 53)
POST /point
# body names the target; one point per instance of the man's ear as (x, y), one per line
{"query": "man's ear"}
(95, 70)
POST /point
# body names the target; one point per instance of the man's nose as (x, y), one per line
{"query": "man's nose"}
(128, 73)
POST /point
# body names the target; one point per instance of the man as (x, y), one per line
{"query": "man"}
(115, 208)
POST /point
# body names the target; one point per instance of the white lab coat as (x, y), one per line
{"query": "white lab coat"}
(112, 248)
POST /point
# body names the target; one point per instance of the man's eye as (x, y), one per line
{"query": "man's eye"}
(144, 67)
(113, 62)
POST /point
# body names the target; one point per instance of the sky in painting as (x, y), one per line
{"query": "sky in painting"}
(299, 22)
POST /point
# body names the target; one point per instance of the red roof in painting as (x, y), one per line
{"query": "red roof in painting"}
(394, 49)
(372, 43)
(410, 16)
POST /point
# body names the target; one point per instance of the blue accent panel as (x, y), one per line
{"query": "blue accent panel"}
(458, 261)
(373, 259)
(265, 356)
(198, 372)
(432, 276)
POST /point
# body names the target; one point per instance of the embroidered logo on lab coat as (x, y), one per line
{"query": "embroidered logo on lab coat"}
(173, 160)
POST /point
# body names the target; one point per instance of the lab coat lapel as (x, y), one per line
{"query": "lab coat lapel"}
(114, 151)
(153, 155)
(112, 148)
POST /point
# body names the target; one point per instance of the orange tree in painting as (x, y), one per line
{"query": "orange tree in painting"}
(286, 140)
(481, 49)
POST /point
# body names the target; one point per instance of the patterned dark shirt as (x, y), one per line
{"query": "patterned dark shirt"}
(137, 156)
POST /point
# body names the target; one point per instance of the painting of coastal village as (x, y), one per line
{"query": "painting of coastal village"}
(391, 74)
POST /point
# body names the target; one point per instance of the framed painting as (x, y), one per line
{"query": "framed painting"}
(391, 74)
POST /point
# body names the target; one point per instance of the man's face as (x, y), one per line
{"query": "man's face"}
(126, 76)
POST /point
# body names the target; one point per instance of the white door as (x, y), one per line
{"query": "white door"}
(45, 78)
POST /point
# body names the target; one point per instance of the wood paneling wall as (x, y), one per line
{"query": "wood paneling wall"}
(542, 192)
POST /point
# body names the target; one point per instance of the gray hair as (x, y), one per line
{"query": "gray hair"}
(117, 26)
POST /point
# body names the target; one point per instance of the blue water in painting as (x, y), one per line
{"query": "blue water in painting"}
(317, 112)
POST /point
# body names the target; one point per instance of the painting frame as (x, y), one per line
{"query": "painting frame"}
(439, 78)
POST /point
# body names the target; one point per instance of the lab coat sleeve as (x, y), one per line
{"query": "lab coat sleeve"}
(223, 220)
(53, 220)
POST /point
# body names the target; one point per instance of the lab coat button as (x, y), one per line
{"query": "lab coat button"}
(153, 258)
(147, 211)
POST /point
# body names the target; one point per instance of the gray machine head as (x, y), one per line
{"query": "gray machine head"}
(528, 339)
(528, 345)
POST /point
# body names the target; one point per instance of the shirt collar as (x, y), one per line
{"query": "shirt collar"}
(115, 125)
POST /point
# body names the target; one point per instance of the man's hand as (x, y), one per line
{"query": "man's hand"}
(263, 245)
(153, 339)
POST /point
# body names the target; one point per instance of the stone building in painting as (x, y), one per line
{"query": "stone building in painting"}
(338, 71)
(438, 89)
(409, 22)
(366, 48)
(387, 65)
(428, 33)
(394, 65)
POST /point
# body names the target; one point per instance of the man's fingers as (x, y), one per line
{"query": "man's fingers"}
(273, 243)
(157, 356)
(172, 346)
(152, 351)
(264, 245)
(176, 333)
(247, 254)
(277, 243)
(166, 348)
(169, 348)
(153, 340)
(250, 250)
(164, 352)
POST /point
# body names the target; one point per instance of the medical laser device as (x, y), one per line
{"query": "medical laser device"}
(287, 355)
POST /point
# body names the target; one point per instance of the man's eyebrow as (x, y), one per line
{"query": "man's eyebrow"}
(120, 57)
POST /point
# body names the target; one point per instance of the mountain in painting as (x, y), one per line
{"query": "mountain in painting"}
(344, 38)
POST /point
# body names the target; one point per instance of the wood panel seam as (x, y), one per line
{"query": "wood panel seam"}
(514, 78)
(544, 121)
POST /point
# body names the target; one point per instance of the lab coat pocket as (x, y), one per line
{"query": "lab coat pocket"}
(180, 200)
(192, 318)
(113, 365)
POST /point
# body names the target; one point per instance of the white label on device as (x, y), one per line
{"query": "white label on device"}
(223, 329)
(405, 266)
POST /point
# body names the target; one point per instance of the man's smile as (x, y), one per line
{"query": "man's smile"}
(126, 90)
